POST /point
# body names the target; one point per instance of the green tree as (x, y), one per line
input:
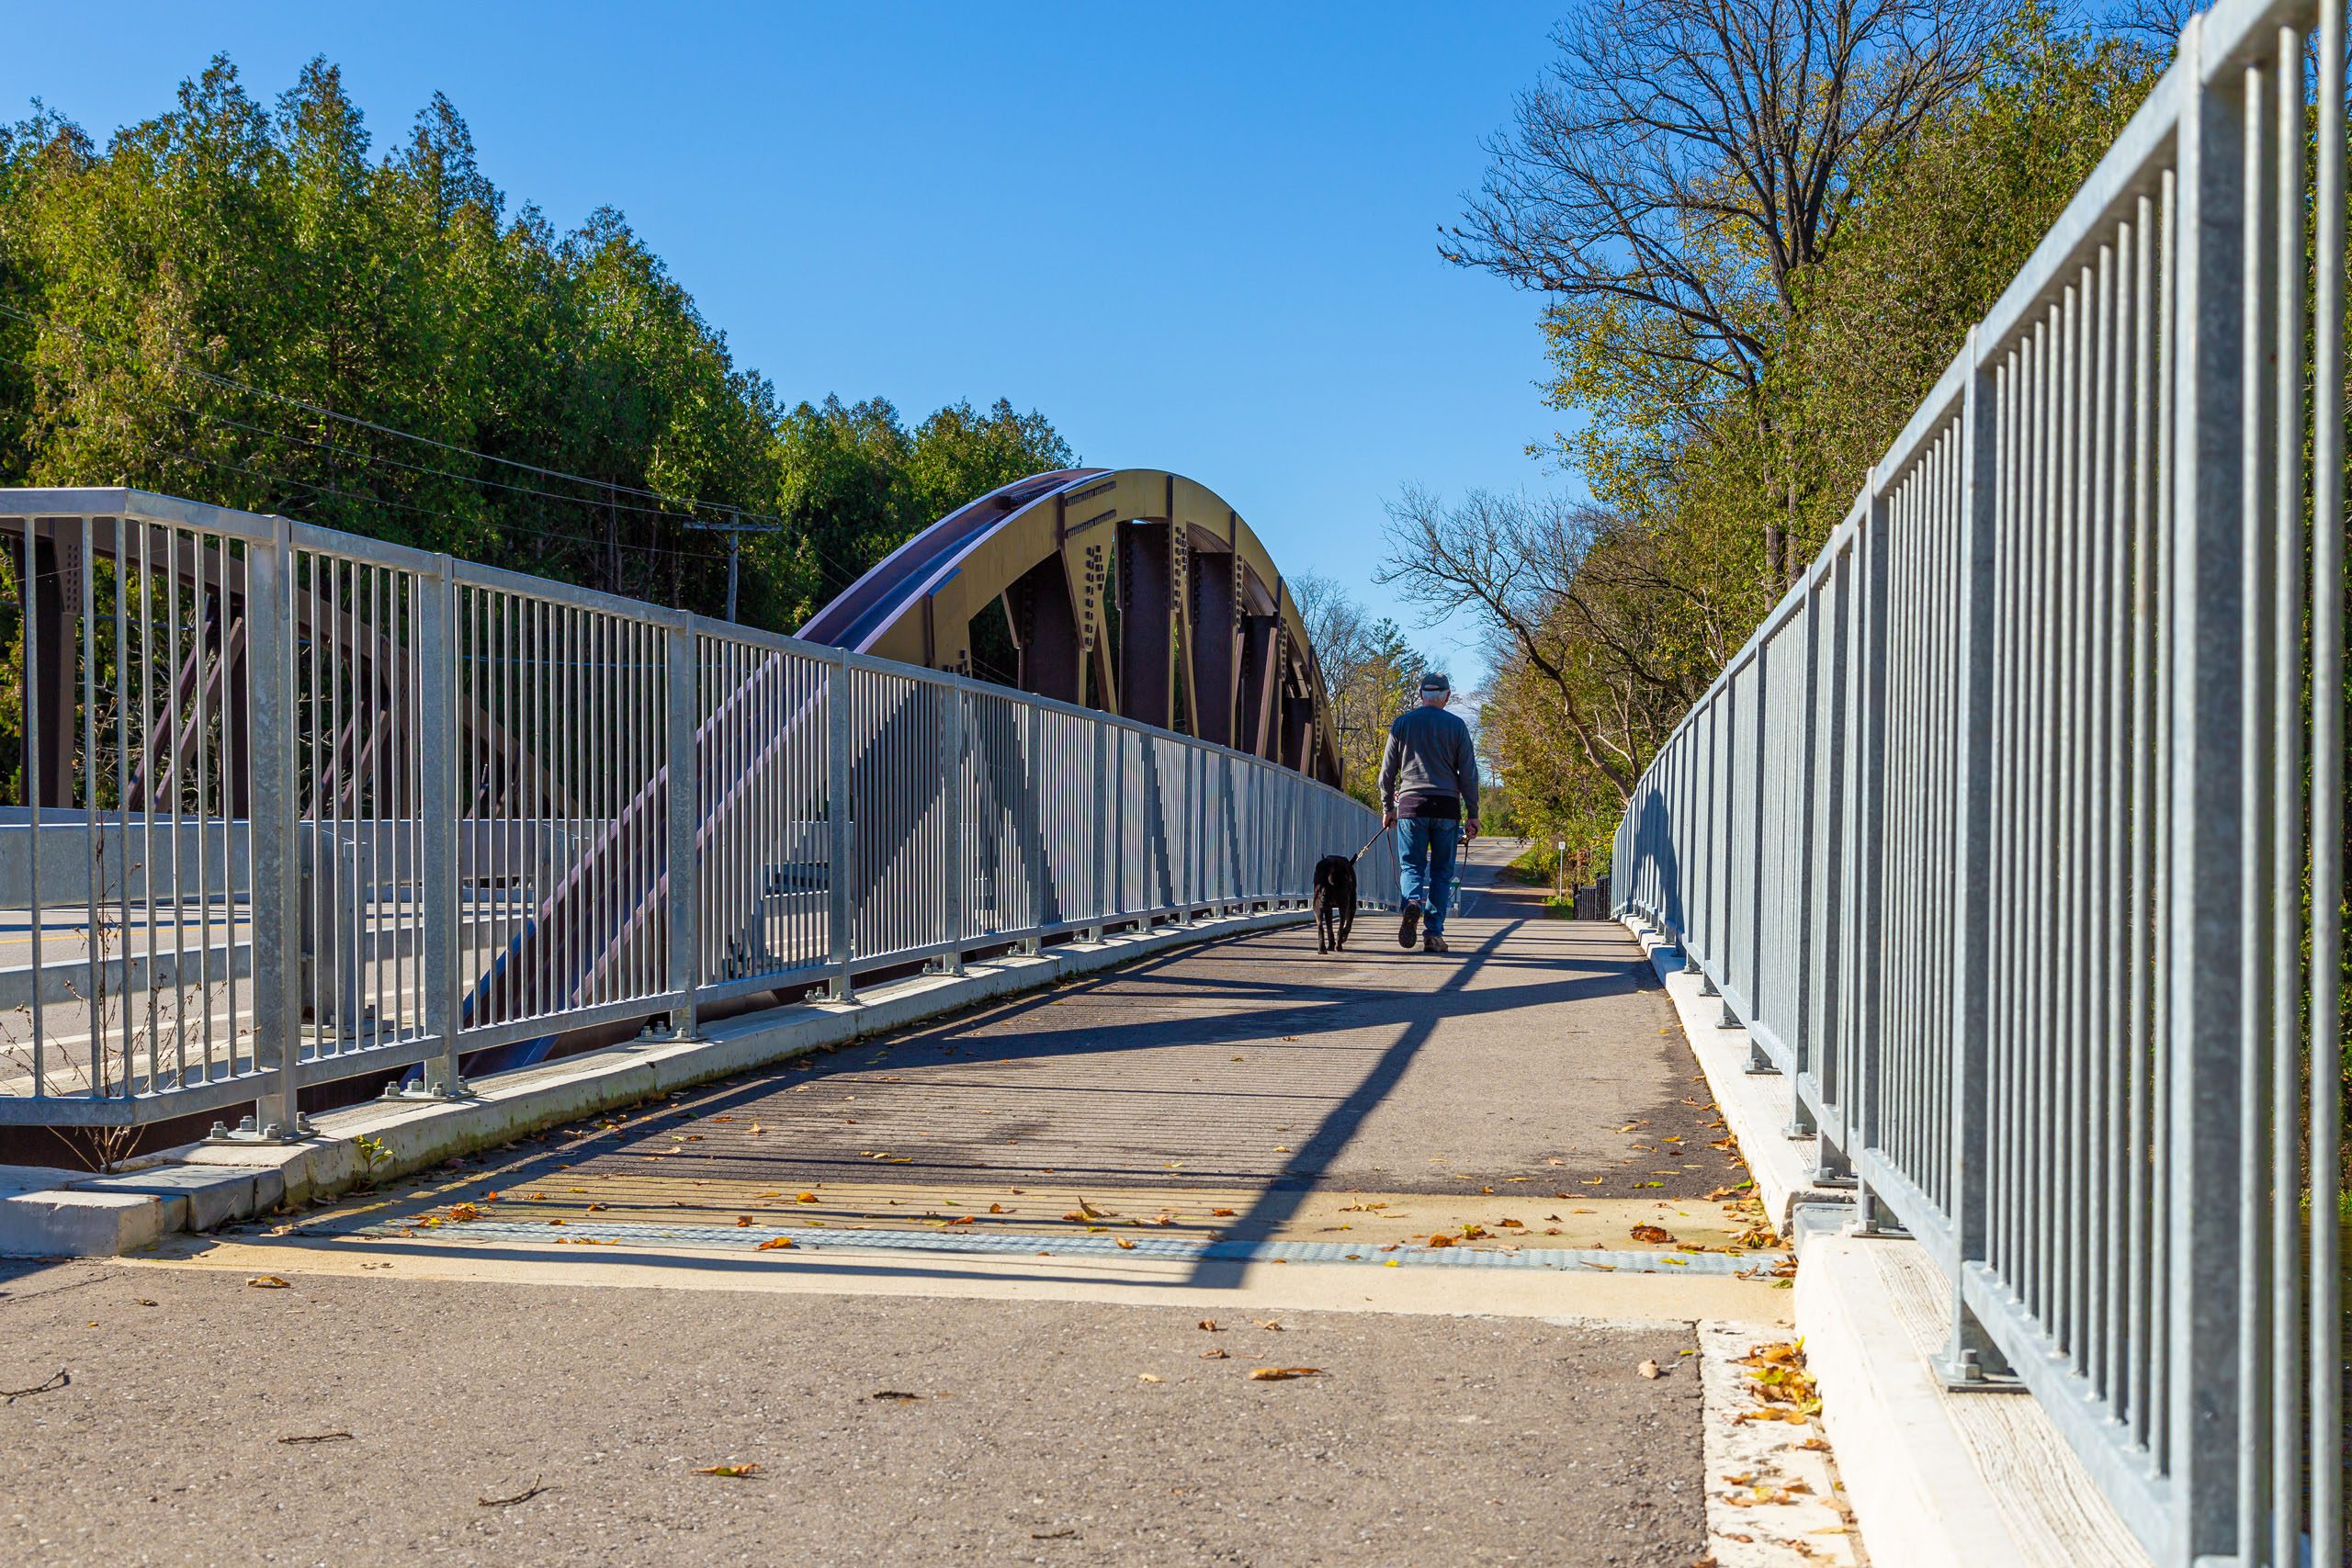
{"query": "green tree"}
(248, 305)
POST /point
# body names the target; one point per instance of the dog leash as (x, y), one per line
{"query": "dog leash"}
(1375, 837)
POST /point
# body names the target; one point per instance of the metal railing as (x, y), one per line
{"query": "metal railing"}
(2058, 649)
(301, 807)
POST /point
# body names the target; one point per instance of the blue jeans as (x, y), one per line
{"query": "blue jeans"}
(1425, 847)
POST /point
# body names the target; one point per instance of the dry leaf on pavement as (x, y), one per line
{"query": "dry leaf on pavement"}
(267, 1282)
(734, 1471)
(1278, 1374)
(525, 1496)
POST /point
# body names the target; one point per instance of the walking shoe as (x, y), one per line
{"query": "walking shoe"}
(1434, 944)
(1410, 929)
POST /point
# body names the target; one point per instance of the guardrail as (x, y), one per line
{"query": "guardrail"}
(301, 807)
(2057, 649)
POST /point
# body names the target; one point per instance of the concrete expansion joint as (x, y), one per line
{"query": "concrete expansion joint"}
(50, 1212)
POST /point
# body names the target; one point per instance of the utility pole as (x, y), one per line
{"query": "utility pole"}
(735, 528)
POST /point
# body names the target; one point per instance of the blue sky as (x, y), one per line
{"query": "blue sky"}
(1198, 237)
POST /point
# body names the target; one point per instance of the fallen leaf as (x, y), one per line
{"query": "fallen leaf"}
(996, 1208)
(774, 1242)
(1649, 1369)
(1149, 1377)
(734, 1471)
(1222, 1213)
(741, 1220)
(1657, 1234)
(1210, 1325)
(1126, 1244)
(1214, 1355)
(598, 1208)
(1278, 1374)
(525, 1496)
(320, 1437)
(1440, 1239)
(267, 1282)
(1271, 1324)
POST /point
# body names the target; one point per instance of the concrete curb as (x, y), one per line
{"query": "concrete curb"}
(1756, 1107)
(46, 1212)
(1936, 1478)
(1940, 1479)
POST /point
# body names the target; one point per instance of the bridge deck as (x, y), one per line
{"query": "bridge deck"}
(1312, 1120)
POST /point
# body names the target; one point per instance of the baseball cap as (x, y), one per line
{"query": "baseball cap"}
(1435, 681)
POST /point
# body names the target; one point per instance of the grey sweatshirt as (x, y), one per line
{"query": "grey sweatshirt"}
(1430, 753)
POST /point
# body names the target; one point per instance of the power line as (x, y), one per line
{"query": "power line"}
(232, 384)
(367, 457)
(318, 489)
(363, 454)
(847, 574)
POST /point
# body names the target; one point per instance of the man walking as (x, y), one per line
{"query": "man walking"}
(1428, 792)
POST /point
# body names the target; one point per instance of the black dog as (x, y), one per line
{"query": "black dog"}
(1335, 902)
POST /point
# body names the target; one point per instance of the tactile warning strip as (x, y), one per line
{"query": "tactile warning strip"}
(1753, 1265)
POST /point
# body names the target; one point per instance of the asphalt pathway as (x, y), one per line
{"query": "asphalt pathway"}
(533, 1317)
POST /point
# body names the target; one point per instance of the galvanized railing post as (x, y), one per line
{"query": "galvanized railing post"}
(1970, 1356)
(1803, 1002)
(1104, 830)
(2207, 1248)
(681, 817)
(838, 825)
(437, 818)
(274, 825)
(1188, 872)
(1032, 783)
(951, 786)
(1868, 935)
